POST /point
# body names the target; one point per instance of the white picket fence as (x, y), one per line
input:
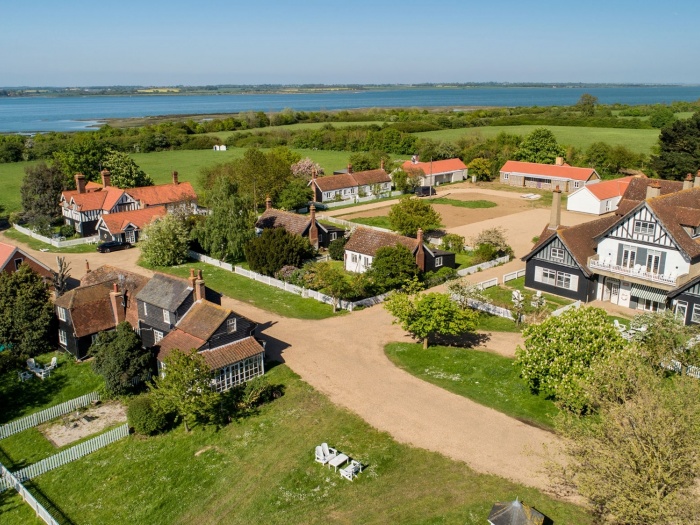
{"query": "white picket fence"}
(8, 481)
(490, 308)
(359, 200)
(484, 266)
(73, 453)
(55, 242)
(559, 311)
(513, 275)
(32, 420)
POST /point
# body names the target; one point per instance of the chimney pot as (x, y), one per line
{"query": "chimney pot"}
(268, 203)
(87, 266)
(80, 182)
(106, 178)
(688, 182)
(175, 181)
(420, 251)
(192, 279)
(654, 189)
(559, 161)
(199, 288)
(349, 168)
(313, 229)
(115, 288)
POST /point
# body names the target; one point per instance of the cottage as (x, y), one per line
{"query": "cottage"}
(350, 185)
(127, 225)
(319, 235)
(12, 257)
(436, 172)
(547, 176)
(600, 198)
(364, 243)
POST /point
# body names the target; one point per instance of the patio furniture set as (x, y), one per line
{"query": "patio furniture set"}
(37, 370)
(326, 455)
(628, 333)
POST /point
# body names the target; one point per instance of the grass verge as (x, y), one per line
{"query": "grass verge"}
(35, 244)
(489, 379)
(463, 204)
(379, 221)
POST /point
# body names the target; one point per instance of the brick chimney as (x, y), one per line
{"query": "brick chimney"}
(106, 178)
(87, 266)
(199, 290)
(116, 298)
(696, 184)
(313, 229)
(268, 203)
(192, 279)
(420, 251)
(175, 181)
(349, 168)
(654, 189)
(559, 161)
(555, 216)
(688, 182)
(80, 182)
(381, 164)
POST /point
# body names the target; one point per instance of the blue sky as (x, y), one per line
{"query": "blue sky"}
(80, 43)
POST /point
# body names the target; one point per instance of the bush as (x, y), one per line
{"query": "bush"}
(67, 230)
(485, 253)
(440, 276)
(453, 243)
(336, 249)
(145, 417)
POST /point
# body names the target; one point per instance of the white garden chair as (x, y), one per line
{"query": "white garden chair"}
(351, 470)
(324, 453)
(54, 364)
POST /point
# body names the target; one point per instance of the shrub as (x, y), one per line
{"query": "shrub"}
(453, 243)
(485, 252)
(440, 276)
(336, 249)
(67, 230)
(145, 417)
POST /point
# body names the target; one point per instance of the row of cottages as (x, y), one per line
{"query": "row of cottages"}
(168, 313)
(319, 235)
(436, 172)
(600, 198)
(12, 257)
(644, 257)
(350, 185)
(364, 243)
(547, 176)
(83, 207)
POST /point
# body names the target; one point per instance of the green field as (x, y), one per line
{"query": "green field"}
(223, 135)
(261, 470)
(637, 140)
(11, 175)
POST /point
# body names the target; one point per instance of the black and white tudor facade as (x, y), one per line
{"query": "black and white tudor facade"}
(646, 259)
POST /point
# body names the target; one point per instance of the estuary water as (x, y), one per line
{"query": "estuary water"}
(38, 114)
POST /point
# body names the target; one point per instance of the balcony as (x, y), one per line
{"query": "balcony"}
(637, 273)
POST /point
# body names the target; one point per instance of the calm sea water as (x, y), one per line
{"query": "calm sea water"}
(26, 115)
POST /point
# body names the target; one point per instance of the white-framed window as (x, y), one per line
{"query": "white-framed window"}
(353, 258)
(554, 278)
(577, 184)
(629, 256)
(653, 261)
(681, 310)
(93, 338)
(695, 315)
(231, 325)
(438, 262)
(334, 236)
(18, 263)
(644, 227)
(367, 261)
(649, 306)
(62, 337)
(157, 336)
(558, 254)
(506, 176)
(549, 276)
(563, 280)
(608, 205)
(61, 313)
(166, 316)
(145, 309)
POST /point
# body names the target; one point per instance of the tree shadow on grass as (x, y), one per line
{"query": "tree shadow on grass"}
(468, 340)
(17, 396)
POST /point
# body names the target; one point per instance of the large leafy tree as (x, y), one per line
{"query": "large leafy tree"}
(120, 359)
(275, 248)
(230, 225)
(540, 146)
(296, 194)
(185, 387)
(332, 281)
(41, 192)
(411, 214)
(165, 241)
(124, 171)
(427, 315)
(392, 267)
(679, 149)
(26, 313)
(83, 155)
(558, 354)
(586, 104)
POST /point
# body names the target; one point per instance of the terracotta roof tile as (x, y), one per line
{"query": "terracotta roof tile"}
(367, 241)
(203, 319)
(100, 199)
(436, 167)
(90, 309)
(164, 193)
(548, 170)
(676, 210)
(364, 178)
(292, 222)
(116, 222)
(351, 180)
(609, 188)
(232, 353)
(177, 340)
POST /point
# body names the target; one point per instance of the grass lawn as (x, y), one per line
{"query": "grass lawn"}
(463, 204)
(36, 244)
(258, 294)
(67, 381)
(465, 260)
(493, 323)
(11, 175)
(637, 140)
(501, 295)
(15, 511)
(223, 135)
(261, 470)
(381, 221)
(489, 379)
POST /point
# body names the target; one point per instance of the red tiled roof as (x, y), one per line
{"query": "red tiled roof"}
(609, 188)
(203, 319)
(6, 253)
(351, 180)
(102, 199)
(436, 167)
(367, 241)
(548, 170)
(9, 252)
(164, 193)
(676, 210)
(232, 353)
(177, 340)
(90, 308)
(116, 222)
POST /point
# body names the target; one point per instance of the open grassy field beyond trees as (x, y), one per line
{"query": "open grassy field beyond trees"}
(262, 470)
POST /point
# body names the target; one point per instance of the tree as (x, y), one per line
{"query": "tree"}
(406, 181)
(125, 173)
(230, 225)
(336, 249)
(120, 359)
(331, 281)
(41, 191)
(84, 154)
(185, 387)
(61, 277)
(559, 353)
(539, 146)
(275, 248)
(296, 194)
(462, 292)
(586, 104)
(495, 238)
(679, 149)
(305, 168)
(661, 337)
(165, 241)
(480, 168)
(661, 117)
(427, 315)
(411, 214)
(453, 243)
(392, 267)
(26, 313)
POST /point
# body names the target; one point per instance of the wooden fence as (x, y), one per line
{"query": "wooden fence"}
(484, 266)
(57, 242)
(8, 481)
(513, 275)
(73, 453)
(32, 420)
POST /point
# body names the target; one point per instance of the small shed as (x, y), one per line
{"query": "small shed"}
(515, 513)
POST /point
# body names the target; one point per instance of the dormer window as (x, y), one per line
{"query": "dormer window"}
(231, 325)
(644, 227)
